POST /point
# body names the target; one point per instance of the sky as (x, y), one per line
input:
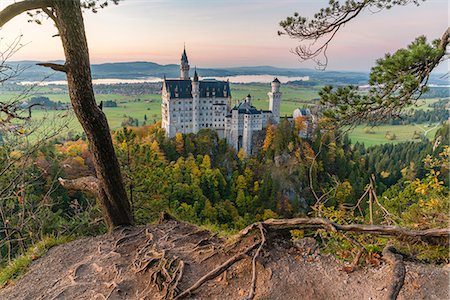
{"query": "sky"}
(228, 33)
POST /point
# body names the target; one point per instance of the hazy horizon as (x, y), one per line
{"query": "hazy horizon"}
(227, 35)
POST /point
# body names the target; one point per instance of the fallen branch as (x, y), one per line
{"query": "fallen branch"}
(398, 272)
(431, 236)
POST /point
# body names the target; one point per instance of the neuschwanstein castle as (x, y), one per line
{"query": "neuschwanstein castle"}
(189, 105)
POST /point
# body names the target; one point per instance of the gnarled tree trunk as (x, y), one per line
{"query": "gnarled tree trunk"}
(68, 19)
(112, 195)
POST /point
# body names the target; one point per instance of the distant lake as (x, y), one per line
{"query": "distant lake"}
(260, 78)
(233, 79)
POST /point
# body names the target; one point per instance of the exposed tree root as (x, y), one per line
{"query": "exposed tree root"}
(196, 232)
(263, 240)
(432, 236)
(398, 272)
(165, 272)
(127, 237)
(217, 271)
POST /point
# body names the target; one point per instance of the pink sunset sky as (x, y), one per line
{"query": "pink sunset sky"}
(228, 33)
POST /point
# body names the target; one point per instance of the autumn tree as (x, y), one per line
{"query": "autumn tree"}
(270, 131)
(179, 142)
(68, 19)
(396, 81)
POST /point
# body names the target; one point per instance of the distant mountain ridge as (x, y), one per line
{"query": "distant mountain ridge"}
(143, 69)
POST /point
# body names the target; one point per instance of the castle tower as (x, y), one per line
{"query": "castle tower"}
(247, 134)
(248, 99)
(229, 100)
(275, 100)
(184, 66)
(195, 102)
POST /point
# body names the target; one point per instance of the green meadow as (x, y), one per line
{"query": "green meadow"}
(149, 105)
(377, 135)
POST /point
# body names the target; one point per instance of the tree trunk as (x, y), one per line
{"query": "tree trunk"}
(112, 195)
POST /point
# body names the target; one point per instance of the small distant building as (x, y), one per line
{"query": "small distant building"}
(309, 119)
(189, 105)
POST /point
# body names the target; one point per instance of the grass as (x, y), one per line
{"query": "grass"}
(137, 106)
(423, 104)
(404, 133)
(18, 266)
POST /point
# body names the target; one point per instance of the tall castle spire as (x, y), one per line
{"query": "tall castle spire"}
(184, 66)
(195, 75)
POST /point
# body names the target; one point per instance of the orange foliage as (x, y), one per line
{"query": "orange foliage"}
(300, 123)
(270, 131)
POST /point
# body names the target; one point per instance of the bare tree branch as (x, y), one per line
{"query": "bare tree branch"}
(322, 28)
(87, 184)
(17, 8)
(56, 67)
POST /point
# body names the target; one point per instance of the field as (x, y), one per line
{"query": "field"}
(149, 106)
(403, 133)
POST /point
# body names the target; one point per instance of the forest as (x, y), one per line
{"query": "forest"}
(201, 180)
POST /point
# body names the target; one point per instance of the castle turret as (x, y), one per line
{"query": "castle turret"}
(248, 99)
(195, 102)
(275, 100)
(184, 66)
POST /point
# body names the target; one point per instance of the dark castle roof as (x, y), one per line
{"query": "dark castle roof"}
(184, 56)
(195, 75)
(276, 80)
(220, 88)
(246, 108)
(178, 88)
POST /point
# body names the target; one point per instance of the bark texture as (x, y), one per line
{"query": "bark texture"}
(68, 18)
(112, 195)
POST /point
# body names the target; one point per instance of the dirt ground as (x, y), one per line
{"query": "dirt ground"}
(113, 266)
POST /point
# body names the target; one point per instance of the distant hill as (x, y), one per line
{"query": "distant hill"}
(142, 69)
